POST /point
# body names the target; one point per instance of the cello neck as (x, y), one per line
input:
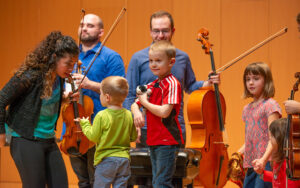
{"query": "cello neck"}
(217, 93)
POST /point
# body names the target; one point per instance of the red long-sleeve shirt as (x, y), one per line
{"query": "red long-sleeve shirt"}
(278, 176)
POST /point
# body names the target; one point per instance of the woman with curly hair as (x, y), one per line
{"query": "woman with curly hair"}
(34, 96)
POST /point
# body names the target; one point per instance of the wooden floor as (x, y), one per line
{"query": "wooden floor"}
(19, 185)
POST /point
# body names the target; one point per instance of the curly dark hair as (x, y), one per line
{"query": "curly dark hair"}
(42, 60)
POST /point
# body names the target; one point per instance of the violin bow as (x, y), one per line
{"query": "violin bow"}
(104, 41)
(79, 39)
(81, 26)
(232, 62)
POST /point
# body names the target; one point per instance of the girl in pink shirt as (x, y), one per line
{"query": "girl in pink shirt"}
(258, 115)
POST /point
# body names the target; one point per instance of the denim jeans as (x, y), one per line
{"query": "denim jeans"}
(83, 166)
(163, 160)
(113, 171)
(252, 179)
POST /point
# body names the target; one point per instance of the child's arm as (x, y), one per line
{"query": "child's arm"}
(261, 163)
(268, 176)
(138, 139)
(242, 149)
(162, 111)
(138, 117)
(93, 133)
(133, 133)
(264, 174)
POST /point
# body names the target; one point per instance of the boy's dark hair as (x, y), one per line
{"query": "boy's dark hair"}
(278, 131)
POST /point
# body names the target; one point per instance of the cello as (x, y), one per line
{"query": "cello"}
(206, 112)
(292, 139)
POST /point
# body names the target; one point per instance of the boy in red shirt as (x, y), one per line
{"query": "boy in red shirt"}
(164, 134)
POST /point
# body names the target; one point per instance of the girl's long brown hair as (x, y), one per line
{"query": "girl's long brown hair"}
(278, 130)
(42, 60)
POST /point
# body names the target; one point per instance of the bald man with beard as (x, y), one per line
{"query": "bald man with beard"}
(108, 63)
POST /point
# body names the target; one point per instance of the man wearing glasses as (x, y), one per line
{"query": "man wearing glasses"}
(139, 73)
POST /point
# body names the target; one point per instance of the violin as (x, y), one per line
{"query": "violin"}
(206, 110)
(74, 142)
(293, 138)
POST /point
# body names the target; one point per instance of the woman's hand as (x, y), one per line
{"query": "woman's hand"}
(70, 96)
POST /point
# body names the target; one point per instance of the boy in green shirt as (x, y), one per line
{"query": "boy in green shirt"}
(112, 131)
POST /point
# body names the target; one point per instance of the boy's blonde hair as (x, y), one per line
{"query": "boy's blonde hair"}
(165, 46)
(116, 87)
(259, 68)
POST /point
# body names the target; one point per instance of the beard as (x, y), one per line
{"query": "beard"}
(89, 39)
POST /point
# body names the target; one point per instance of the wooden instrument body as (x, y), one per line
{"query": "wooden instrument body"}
(207, 137)
(295, 146)
(74, 142)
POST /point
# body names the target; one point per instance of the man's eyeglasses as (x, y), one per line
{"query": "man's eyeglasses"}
(163, 31)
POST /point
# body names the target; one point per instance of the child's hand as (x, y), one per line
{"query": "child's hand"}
(77, 120)
(258, 166)
(138, 139)
(83, 118)
(138, 119)
(143, 98)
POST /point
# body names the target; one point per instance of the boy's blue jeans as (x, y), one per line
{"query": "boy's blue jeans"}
(252, 179)
(163, 160)
(113, 171)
